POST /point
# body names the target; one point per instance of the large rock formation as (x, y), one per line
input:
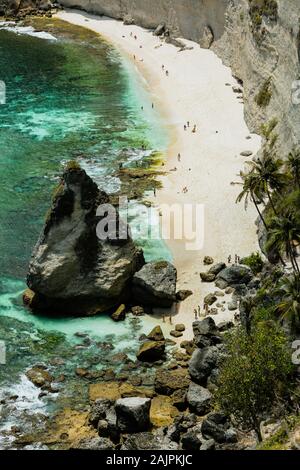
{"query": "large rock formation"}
(72, 270)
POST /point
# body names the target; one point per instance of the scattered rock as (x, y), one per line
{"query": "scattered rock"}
(39, 376)
(199, 399)
(99, 410)
(133, 414)
(137, 311)
(160, 30)
(207, 277)
(155, 284)
(180, 327)
(208, 445)
(191, 441)
(128, 20)
(151, 351)
(217, 427)
(156, 334)
(119, 314)
(72, 270)
(210, 299)
(162, 412)
(237, 89)
(246, 153)
(176, 334)
(95, 443)
(183, 295)
(202, 363)
(217, 268)
(207, 38)
(167, 382)
(149, 441)
(232, 306)
(208, 260)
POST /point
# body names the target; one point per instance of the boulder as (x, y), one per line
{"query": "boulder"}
(208, 260)
(155, 284)
(39, 376)
(199, 399)
(151, 351)
(202, 363)
(183, 295)
(149, 441)
(210, 299)
(236, 274)
(98, 410)
(133, 414)
(94, 443)
(191, 441)
(247, 153)
(168, 381)
(207, 277)
(180, 327)
(119, 314)
(216, 268)
(207, 38)
(156, 334)
(206, 327)
(81, 264)
(176, 334)
(128, 20)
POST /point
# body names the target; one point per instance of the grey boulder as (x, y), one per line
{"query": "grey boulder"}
(199, 399)
(155, 284)
(133, 414)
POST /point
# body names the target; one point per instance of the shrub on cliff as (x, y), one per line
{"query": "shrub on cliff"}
(255, 375)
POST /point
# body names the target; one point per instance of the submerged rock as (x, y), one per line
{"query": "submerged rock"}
(72, 270)
(155, 284)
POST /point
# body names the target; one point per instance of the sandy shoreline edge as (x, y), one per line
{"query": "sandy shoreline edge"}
(198, 89)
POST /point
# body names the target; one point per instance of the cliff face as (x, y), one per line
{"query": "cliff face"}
(259, 39)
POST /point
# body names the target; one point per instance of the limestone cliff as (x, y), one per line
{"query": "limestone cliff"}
(259, 39)
(72, 270)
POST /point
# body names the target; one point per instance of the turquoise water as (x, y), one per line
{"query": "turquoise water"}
(70, 98)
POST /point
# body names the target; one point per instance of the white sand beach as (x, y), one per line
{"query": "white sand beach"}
(196, 90)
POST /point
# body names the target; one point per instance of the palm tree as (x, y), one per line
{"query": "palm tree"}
(252, 190)
(289, 307)
(283, 232)
(270, 178)
(294, 165)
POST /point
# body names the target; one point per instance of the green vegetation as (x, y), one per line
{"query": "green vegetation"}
(258, 9)
(73, 165)
(264, 96)
(255, 375)
(254, 262)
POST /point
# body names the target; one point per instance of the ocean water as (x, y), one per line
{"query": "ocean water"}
(69, 95)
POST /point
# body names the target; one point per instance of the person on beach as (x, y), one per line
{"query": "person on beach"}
(154, 192)
(179, 157)
(229, 259)
(163, 67)
(167, 73)
(142, 108)
(135, 37)
(194, 129)
(152, 105)
(134, 58)
(131, 34)
(188, 123)
(184, 127)
(196, 314)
